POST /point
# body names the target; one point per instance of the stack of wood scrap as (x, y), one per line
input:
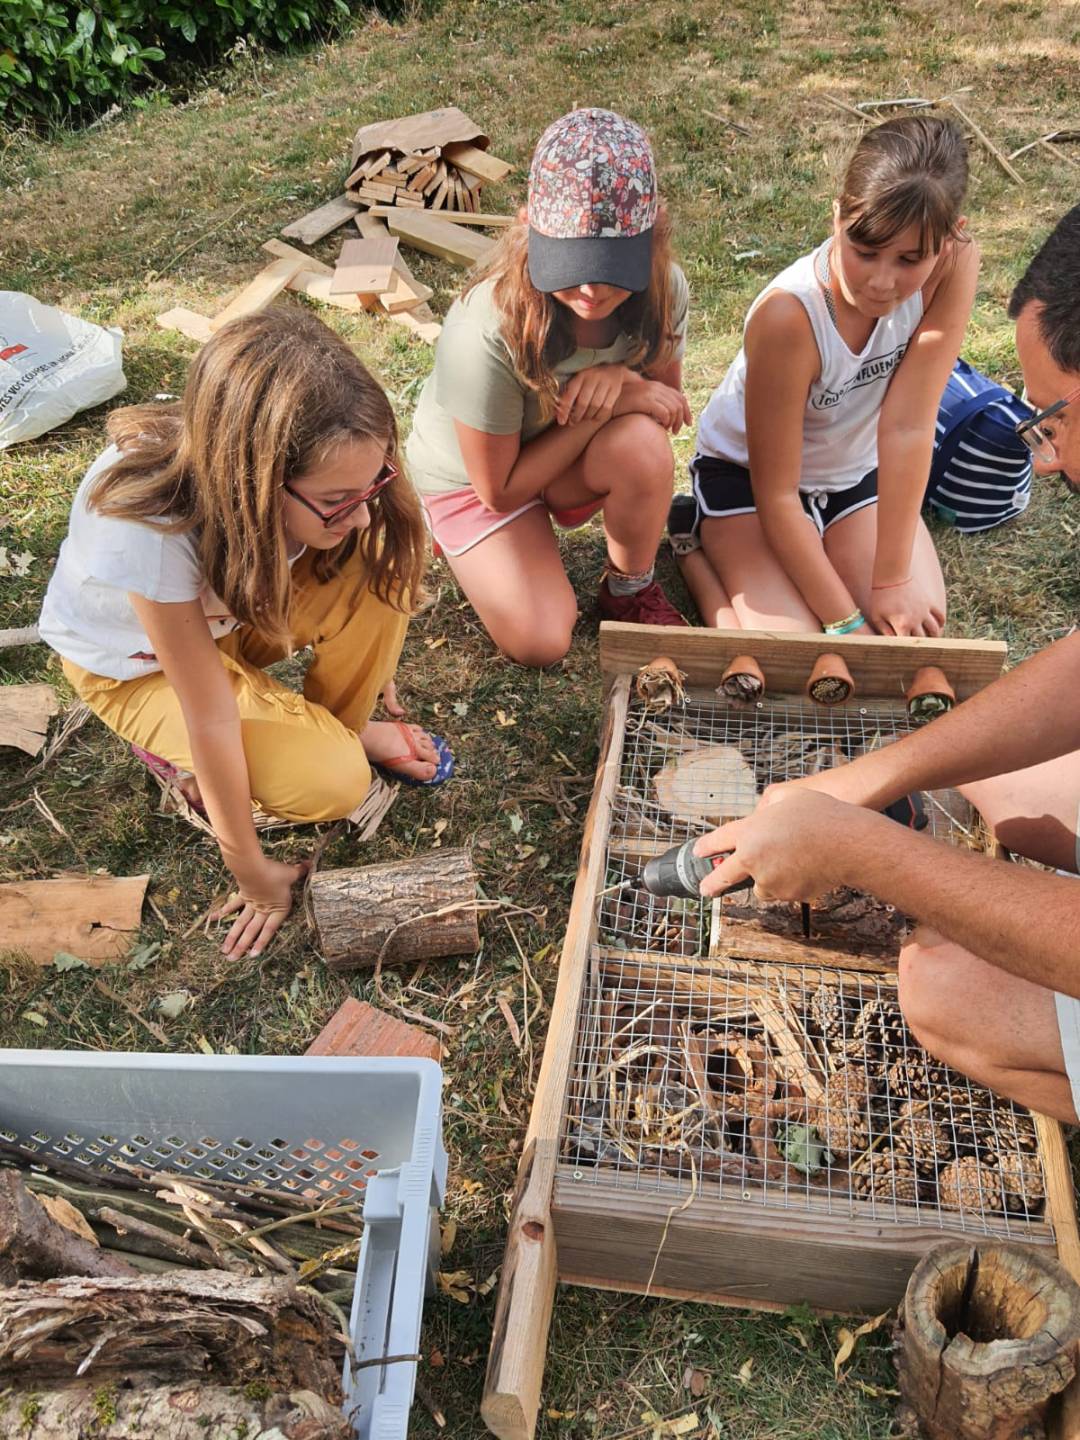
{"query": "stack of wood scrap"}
(437, 160)
(140, 1302)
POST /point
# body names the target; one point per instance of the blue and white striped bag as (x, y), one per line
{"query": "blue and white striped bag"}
(980, 475)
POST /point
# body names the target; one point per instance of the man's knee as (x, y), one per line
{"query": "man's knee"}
(926, 988)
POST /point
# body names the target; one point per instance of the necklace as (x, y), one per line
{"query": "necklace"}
(822, 267)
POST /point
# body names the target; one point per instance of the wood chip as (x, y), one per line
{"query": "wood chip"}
(95, 917)
(25, 712)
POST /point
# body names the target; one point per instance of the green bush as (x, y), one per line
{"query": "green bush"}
(59, 58)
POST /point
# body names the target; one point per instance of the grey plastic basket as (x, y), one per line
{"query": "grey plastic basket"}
(313, 1126)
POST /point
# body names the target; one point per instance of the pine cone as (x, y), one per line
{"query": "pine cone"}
(843, 1120)
(1013, 1130)
(1022, 1179)
(879, 1037)
(967, 1184)
(922, 1138)
(834, 1013)
(884, 1175)
(915, 1077)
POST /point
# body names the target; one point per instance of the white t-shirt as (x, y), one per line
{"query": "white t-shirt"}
(87, 616)
(844, 403)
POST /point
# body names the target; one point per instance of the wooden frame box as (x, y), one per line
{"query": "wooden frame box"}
(638, 1202)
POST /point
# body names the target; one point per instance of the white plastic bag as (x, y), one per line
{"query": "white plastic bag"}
(51, 365)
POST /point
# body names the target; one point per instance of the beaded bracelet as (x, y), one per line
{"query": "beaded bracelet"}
(845, 627)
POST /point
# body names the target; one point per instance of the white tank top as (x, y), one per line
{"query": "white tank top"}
(842, 408)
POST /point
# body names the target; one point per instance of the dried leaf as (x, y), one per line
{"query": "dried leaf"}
(460, 707)
(515, 821)
(501, 718)
(454, 1283)
(35, 1018)
(850, 1338)
(204, 1045)
(65, 1214)
(173, 1004)
(436, 1359)
(472, 1186)
(676, 1426)
(511, 1022)
(875, 1392)
(799, 1336)
(144, 955)
(697, 1384)
(437, 644)
(449, 1235)
(745, 1371)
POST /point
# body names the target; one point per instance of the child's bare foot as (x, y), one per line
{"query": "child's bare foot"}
(189, 788)
(387, 744)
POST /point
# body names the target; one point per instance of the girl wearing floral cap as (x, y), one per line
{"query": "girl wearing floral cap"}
(557, 380)
(814, 452)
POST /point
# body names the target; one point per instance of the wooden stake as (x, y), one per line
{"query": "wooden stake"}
(189, 322)
(987, 143)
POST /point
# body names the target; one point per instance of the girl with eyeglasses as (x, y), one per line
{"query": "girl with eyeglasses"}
(813, 454)
(259, 514)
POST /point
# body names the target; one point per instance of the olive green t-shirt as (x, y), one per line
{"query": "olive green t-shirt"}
(474, 381)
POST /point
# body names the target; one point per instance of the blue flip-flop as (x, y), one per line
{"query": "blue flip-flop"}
(444, 769)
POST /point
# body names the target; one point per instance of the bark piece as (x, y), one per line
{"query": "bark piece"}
(34, 1245)
(357, 1028)
(399, 911)
(169, 1412)
(990, 1335)
(711, 784)
(25, 711)
(210, 1325)
(95, 917)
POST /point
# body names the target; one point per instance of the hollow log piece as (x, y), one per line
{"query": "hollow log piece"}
(34, 1246)
(989, 1336)
(400, 911)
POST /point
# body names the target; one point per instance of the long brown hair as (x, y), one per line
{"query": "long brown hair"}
(909, 171)
(267, 397)
(539, 332)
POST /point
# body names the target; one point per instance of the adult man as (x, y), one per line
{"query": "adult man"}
(990, 979)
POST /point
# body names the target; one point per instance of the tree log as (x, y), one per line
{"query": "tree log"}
(34, 1246)
(989, 1339)
(210, 1326)
(401, 911)
(191, 1412)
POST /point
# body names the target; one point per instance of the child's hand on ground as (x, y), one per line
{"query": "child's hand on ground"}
(261, 906)
(591, 394)
(669, 408)
(904, 610)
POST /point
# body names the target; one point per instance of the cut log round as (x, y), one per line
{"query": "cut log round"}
(989, 1338)
(712, 784)
(401, 911)
(170, 1412)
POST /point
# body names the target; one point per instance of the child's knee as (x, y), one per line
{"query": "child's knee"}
(538, 648)
(640, 448)
(338, 783)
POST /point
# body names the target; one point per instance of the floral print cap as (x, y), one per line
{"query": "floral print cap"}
(592, 203)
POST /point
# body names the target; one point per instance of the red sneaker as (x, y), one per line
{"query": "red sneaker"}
(647, 607)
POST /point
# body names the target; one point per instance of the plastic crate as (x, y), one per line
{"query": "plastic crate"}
(321, 1127)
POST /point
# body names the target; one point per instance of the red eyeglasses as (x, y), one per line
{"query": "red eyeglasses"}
(340, 512)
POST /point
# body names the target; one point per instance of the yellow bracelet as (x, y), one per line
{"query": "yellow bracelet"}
(837, 627)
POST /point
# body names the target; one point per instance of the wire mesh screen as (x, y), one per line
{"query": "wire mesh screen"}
(785, 1085)
(793, 1087)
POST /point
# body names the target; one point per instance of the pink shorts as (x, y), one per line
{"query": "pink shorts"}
(459, 519)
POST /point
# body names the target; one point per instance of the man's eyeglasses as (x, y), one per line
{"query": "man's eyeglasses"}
(341, 512)
(1034, 437)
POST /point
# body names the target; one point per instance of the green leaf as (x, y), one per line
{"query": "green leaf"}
(85, 24)
(63, 960)
(144, 955)
(188, 29)
(119, 54)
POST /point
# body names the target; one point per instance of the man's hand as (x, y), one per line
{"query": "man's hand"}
(591, 394)
(904, 610)
(795, 850)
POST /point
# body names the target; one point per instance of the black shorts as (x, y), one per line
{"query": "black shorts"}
(722, 488)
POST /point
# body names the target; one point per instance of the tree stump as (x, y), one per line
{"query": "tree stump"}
(400, 911)
(990, 1335)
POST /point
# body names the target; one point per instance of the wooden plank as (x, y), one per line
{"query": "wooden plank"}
(480, 218)
(357, 1028)
(475, 161)
(266, 286)
(376, 190)
(440, 237)
(405, 284)
(95, 917)
(422, 176)
(314, 280)
(1060, 1194)
(365, 266)
(188, 322)
(725, 1250)
(281, 251)
(527, 1287)
(437, 180)
(317, 223)
(25, 711)
(881, 665)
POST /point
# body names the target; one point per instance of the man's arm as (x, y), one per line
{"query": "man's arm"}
(1024, 921)
(1030, 715)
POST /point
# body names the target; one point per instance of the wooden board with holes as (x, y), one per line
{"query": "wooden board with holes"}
(882, 666)
(439, 237)
(365, 266)
(25, 712)
(95, 917)
(317, 223)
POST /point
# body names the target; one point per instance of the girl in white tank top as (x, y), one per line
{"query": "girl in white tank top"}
(827, 413)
